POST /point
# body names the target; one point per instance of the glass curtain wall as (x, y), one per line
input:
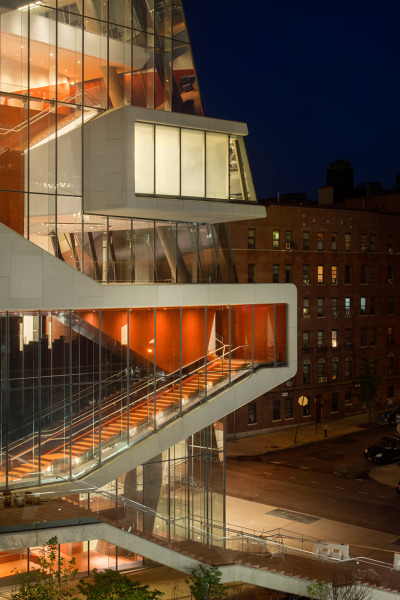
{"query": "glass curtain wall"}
(60, 67)
(77, 387)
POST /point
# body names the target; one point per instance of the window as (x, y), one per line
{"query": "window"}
(347, 397)
(252, 414)
(363, 278)
(251, 238)
(335, 338)
(306, 372)
(251, 273)
(347, 337)
(306, 410)
(306, 274)
(321, 368)
(391, 364)
(321, 311)
(335, 306)
(347, 273)
(348, 368)
(363, 240)
(390, 305)
(306, 340)
(275, 273)
(363, 340)
(320, 271)
(363, 305)
(372, 274)
(390, 392)
(347, 242)
(276, 409)
(288, 273)
(372, 305)
(335, 368)
(288, 237)
(372, 336)
(335, 402)
(306, 240)
(390, 273)
(334, 240)
(335, 274)
(390, 242)
(372, 242)
(390, 335)
(275, 239)
(289, 408)
(320, 241)
(347, 304)
(306, 307)
(320, 339)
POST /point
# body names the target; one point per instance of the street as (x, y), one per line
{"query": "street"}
(328, 480)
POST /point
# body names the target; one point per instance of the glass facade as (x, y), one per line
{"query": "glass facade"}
(77, 387)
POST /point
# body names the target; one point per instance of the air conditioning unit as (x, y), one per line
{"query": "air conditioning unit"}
(335, 281)
(306, 316)
(390, 371)
(335, 313)
(321, 347)
(306, 282)
(289, 383)
(390, 281)
(288, 245)
(347, 313)
(322, 379)
(390, 250)
(347, 345)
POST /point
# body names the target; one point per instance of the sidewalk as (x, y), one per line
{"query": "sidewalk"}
(310, 434)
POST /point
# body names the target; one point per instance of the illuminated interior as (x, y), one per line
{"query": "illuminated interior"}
(85, 384)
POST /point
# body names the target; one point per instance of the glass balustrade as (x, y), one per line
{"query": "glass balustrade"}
(86, 384)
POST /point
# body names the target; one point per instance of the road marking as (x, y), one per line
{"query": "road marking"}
(363, 493)
(317, 482)
(339, 488)
(304, 467)
(292, 477)
(267, 473)
(381, 496)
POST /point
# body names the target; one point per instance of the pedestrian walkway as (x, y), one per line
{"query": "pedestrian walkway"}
(312, 433)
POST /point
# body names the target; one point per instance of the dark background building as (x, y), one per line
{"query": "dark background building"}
(344, 261)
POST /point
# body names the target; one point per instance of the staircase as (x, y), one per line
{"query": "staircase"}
(89, 436)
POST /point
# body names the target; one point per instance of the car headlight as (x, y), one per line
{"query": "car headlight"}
(379, 455)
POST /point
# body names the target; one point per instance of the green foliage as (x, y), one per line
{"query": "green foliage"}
(205, 584)
(51, 581)
(111, 585)
(366, 386)
(316, 591)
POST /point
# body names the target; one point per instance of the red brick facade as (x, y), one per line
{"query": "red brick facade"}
(348, 282)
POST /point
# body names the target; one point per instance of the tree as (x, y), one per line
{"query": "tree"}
(51, 581)
(344, 585)
(111, 585)
(366, 386)
(205, 584)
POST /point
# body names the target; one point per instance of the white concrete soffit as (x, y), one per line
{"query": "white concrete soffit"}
(165, 556)
(33, 279)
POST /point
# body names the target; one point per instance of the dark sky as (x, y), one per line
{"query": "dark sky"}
(314, 80)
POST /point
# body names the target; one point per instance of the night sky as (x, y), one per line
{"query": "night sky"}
(314, 80)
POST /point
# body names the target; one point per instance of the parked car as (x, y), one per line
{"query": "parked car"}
(385, 451)
(390, 416)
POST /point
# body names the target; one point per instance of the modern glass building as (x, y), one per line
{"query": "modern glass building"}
(125, 337)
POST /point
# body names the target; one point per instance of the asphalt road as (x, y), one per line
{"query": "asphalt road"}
(328, 480)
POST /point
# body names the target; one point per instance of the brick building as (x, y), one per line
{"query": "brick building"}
(344, 262)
